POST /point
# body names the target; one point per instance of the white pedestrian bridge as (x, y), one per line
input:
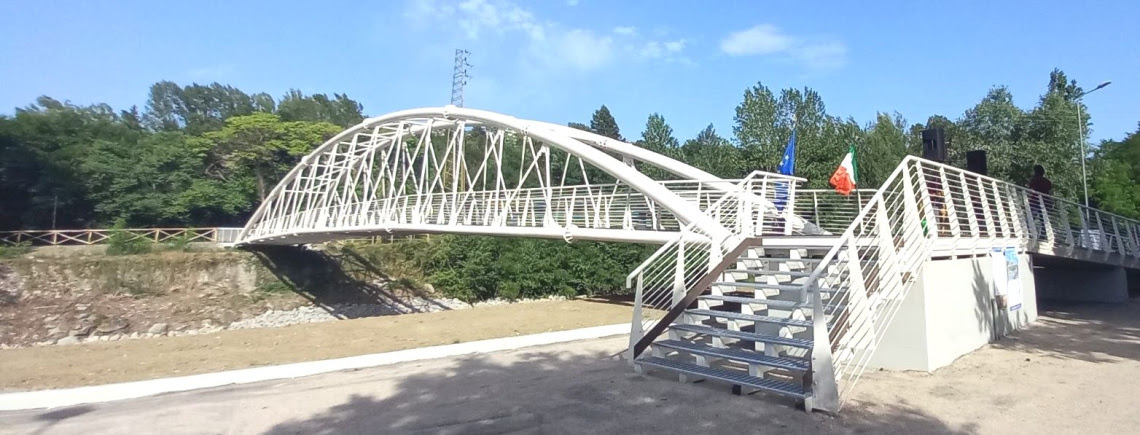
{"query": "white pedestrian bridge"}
(757, 283)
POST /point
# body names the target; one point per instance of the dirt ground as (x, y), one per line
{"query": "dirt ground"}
(1073, 372)
(120, 361)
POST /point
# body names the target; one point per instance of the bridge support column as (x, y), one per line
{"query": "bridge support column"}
(1078, 281)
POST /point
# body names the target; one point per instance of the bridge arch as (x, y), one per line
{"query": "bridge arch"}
(417, 171)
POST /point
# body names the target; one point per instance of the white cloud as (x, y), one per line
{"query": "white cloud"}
(769, 40)
(571, 2)
(625, 30)
(762, 39)
(583, 50)
(540, 42)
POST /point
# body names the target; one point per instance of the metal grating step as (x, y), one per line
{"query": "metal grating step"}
(793, 273)
(740, 335)
(782, 259)
(730, 376)
(750, 317)
(780, 287)
(771, 303)
(745, 356)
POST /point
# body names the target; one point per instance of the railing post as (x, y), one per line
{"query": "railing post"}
(679, 273)
(815, 207)
(1101, 234)
(1116, 236)
(790, 206)
(636, 327)
(824, 384)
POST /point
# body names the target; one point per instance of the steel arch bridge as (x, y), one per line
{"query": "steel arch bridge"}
(466, 171)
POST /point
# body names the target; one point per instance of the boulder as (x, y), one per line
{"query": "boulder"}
(71, 339)
(112, 326)
(158, 329)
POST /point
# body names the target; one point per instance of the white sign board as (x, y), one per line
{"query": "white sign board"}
(1006, 275)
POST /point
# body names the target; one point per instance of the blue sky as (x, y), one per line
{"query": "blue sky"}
(559, 60)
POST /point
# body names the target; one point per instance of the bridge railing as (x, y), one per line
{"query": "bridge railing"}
(973, 214)
(99, 236)
(761, 204)
(607, 206)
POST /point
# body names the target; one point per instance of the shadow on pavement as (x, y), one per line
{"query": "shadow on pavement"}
(545, 392)
(1085, 331)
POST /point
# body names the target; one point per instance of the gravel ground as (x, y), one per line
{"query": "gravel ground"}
(314, 314)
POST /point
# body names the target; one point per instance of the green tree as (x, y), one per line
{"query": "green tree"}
(1115, 167)
(339, 110)
(265, 146)
(993, 125)
(883, 146)
(603, 123)
(714, 154)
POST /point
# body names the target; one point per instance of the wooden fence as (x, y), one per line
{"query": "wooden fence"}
(98, 236)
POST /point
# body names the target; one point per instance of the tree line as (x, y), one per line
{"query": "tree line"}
(197, 155)
(206, 155)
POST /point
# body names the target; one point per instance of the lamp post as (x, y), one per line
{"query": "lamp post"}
(1081, 138)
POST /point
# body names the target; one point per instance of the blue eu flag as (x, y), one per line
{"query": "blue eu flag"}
(788, 164)
(787, 167)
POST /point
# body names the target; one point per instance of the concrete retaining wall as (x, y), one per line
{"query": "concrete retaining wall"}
(951, 311)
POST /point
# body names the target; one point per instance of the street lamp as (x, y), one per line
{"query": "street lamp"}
(1081, 138)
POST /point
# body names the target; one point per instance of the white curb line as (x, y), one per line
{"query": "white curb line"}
(131, 390)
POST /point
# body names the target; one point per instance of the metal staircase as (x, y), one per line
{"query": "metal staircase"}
(781, 313)
(751, 328)
(771, 309)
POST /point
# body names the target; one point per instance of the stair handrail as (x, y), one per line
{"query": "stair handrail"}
(844, 261)
(678, 270)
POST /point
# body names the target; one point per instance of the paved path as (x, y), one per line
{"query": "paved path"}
(1074, 372)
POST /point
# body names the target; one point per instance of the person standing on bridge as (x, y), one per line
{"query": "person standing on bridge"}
(1041, 200)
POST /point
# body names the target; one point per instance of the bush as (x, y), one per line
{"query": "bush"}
(16, 250)
(475, 268)
(122, 242)
(180, 242)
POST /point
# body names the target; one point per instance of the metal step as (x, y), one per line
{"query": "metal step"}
(760, 285)
(750, 317)
(794, 273)
(740, 335)
(779, 287)
(782, 259)
(771, 303)
(731, 376)
(741, 355)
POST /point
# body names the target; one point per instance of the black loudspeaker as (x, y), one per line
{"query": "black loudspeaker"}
(976, 162)
(934, 145)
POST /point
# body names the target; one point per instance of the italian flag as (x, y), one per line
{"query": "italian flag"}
(844, 178)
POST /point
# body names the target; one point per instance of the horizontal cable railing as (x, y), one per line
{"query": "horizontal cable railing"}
(974, 213)
(99, 236)
(830, 210)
